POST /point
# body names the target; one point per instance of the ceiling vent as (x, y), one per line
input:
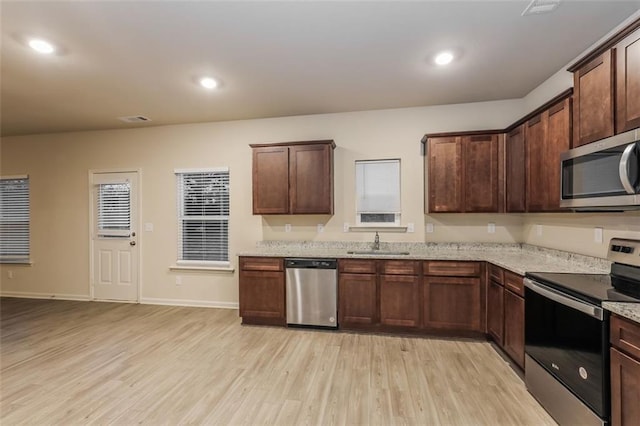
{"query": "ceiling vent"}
(537, 7)
(134, 119)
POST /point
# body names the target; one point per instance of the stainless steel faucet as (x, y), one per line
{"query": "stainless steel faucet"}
(376, 242)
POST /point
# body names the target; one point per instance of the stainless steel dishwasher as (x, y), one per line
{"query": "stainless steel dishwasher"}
(312, 292)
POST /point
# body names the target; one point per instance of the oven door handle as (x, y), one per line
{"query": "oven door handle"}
(563, 299)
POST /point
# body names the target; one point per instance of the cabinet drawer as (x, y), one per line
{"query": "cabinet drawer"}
(496, 273)
(357, 266)
(514, 282)
(400, 267)
(261, 263)
(452, 268)
(625, 335)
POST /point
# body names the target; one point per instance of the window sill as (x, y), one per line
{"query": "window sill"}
(17, 262)
(201, 268)
(381, 228)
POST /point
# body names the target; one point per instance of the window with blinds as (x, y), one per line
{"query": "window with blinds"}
(114, 209)
(14, 219)
(203, 216)
(378, 192)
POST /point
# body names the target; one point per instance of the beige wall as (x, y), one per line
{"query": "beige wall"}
(59, 165)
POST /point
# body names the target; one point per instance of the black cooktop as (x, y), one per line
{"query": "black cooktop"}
(593, 288)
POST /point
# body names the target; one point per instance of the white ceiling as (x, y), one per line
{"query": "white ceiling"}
(276, 58)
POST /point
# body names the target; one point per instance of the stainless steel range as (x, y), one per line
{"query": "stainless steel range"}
(567, 335)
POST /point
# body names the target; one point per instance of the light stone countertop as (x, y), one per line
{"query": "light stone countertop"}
(627, 310)
(518, 258)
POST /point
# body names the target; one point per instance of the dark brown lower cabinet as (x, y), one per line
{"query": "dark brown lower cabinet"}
(357, 304)
(495, 311)
(625, 389)
(505, 312)
(513, 342)
(399, 300)
(451, 303)
(625, 371)
(262, 298)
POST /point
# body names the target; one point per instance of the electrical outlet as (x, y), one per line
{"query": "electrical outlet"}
(148, 227)
(539, 230)
(491, 228)
(287, 227)
(10, 274)
(178, 280)
(410, 227)
(429, 228)
(345, 227)
(320, 228)
(597, 235)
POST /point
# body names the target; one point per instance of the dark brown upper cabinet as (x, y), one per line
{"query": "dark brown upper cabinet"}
(515, 170)
(546, 136)
(607, 88)
(627, 54)
(558, 140)
(293, 178)
(593, 100)
(463, 173)
(444, 165)
(480, 173)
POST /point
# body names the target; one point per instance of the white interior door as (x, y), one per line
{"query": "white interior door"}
(114, 238)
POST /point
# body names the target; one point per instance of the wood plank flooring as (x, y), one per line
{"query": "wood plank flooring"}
(66, 362)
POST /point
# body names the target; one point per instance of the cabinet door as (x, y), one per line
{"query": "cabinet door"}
(625, 389)
(271, 180)
(311, 179)
(557, 141)
(451, 303)
(514, 327)
(399, 300)
(593, 103)
(445, 175)
(627, 54)
(262, 295)
(495, 311)
(535, 130)
(515, 170)
(357, 299)
(481, 173)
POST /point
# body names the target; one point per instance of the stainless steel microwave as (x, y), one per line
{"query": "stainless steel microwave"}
(603, 175)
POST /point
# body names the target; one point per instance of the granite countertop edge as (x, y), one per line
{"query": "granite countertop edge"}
(627, 310)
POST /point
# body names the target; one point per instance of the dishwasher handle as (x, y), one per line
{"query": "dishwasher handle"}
(311, 264)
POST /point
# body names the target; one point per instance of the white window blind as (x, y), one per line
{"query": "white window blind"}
(14, 219)
(203, 216)
(378, 191)
(114, 209)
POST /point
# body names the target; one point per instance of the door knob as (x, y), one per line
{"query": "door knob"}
(132, 243)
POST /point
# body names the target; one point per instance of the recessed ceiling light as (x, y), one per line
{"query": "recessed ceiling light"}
(444, 58)
(41, 46)
(208, 83)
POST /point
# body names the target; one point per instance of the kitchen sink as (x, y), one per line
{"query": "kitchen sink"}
(379, 253)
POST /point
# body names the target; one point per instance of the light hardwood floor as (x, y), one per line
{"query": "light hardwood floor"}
(68, 362)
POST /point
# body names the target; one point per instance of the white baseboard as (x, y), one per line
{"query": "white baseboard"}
(188, 302)
(54, 296)
(144, 300)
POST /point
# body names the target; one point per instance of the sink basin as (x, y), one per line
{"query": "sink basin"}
(379, 253)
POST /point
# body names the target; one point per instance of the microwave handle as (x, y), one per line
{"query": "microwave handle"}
(624, 166)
